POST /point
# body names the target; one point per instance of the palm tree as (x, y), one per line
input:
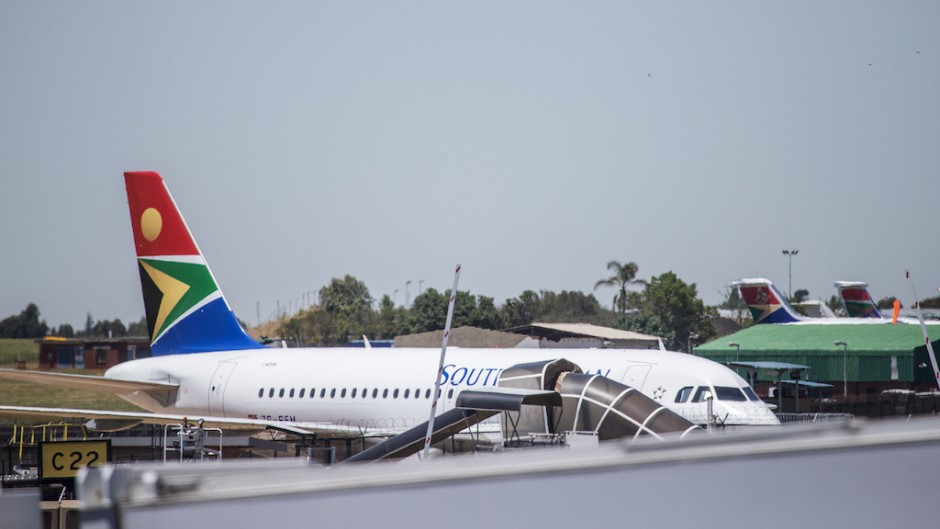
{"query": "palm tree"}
(624, 276)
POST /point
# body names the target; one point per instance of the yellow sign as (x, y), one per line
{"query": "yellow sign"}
(63, 459)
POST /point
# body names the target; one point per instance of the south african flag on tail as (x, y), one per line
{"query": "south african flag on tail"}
(186, 312)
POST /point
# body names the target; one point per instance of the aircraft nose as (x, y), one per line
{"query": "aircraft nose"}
(763, 414)
(754, 414)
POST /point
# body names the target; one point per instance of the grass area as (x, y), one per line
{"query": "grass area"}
(18, 393)
(11, 349)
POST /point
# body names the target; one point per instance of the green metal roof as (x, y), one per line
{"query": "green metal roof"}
(874, 352)
(880, 338)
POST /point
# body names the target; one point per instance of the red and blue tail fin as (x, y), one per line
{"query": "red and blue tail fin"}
(856, 299)
(766, 303)
(186, 312)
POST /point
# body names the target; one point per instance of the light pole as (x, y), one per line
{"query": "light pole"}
(407, 294)
(845, 377)
(790, 254)
(737, 357)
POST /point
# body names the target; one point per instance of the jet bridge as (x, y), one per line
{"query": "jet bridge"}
(544, 398)
(612, 410)
(590, 404)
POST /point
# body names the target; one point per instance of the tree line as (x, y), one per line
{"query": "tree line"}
(29, 324)
(664, 306)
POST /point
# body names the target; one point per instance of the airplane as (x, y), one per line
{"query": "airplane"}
(857, 301)
(860, 304)
(768, 305)
(205, 366)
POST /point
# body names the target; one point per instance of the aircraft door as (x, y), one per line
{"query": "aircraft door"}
(635, 375)
(217, 387)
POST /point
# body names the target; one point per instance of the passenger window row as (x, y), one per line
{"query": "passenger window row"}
(342, 393)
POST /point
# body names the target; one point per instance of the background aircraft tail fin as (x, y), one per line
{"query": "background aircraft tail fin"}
(186, 312)
(857, 301)
(766, 303)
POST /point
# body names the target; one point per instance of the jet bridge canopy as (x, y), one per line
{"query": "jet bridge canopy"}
(506, 399)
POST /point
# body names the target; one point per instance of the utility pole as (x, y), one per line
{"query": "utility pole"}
(790, 254)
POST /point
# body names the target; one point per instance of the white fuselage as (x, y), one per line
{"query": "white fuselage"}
(391, 388)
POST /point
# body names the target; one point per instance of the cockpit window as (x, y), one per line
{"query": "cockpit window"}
(702, 394)
(683, 394)
(730, 393)
(750, 394)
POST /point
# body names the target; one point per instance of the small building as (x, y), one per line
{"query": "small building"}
(868, 358)
(585, 335)
(93, 353)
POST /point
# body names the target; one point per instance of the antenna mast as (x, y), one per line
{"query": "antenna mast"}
(440, 365)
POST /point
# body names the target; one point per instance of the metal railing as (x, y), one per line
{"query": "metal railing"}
(786, 418)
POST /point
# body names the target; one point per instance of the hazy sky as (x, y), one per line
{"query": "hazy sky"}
(532, 142)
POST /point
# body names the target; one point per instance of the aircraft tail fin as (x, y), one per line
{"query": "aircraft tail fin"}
(186, 312)
(856, 299)
(766, 303)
